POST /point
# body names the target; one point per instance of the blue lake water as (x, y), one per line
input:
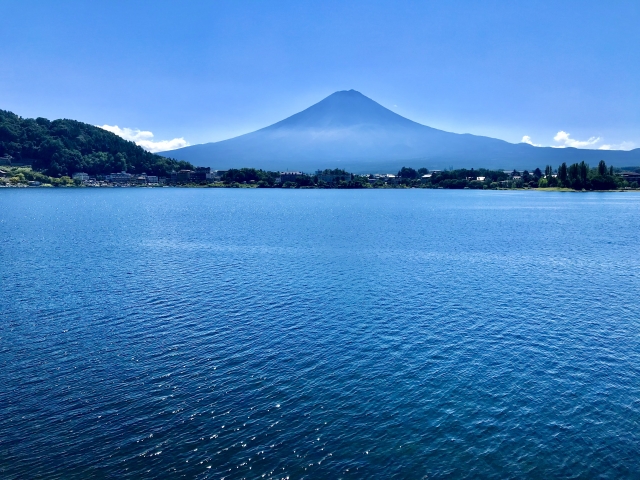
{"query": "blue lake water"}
(209, 333)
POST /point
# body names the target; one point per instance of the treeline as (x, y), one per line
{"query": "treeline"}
(266, 179)
(406, 177)
(456, 179)
(63, 147)
(250, 175)
(579, 176)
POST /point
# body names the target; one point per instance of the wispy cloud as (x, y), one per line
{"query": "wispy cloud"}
(619, 146)
(144, 138)
(564, 140)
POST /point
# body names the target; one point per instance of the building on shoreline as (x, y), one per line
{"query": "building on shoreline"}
(630, 176)
(81, 176)
(184, 176)
(122, 177)
(140, 179)
(202, 175)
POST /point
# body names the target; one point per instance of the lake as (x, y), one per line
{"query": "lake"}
(249, 333)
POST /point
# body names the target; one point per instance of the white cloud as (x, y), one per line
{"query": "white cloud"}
(144, 139)
(566, 141)
(527, 139)
(619, 146)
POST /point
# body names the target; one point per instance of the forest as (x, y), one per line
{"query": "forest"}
(63, 147)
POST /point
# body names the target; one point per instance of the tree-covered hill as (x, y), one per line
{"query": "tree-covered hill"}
(63, 147)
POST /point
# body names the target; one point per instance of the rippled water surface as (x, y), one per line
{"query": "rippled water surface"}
(212, 333)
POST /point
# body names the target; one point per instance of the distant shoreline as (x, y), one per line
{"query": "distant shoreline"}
(573, 178)
(255, 187)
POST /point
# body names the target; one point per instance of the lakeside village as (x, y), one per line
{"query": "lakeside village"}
(575, 177)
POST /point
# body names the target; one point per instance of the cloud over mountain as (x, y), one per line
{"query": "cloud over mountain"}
(144, 138)
(527, 139)
(565, 140)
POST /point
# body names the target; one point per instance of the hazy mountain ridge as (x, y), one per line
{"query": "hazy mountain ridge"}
(349, 130)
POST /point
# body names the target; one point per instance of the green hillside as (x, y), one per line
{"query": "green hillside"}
(62, 147)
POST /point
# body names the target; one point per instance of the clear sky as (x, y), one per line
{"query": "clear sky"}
(209, 70)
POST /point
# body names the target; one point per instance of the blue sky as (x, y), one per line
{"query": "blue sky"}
(209, 70)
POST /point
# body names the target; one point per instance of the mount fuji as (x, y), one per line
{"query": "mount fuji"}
(349, 130)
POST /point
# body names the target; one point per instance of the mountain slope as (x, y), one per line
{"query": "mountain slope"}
(63, 147)
(351, 131)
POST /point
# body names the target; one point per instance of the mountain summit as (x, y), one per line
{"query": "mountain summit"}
(351, 131)
(345, 109)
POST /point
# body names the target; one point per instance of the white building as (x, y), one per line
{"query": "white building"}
(389, 178)
(83, 177)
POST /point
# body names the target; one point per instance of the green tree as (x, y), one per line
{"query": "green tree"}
(563, 174)
(602, 168)
(120, 162)
(584, 172)
(409, 173)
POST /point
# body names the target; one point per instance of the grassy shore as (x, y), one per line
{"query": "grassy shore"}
(557, 189)
(560, 189)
